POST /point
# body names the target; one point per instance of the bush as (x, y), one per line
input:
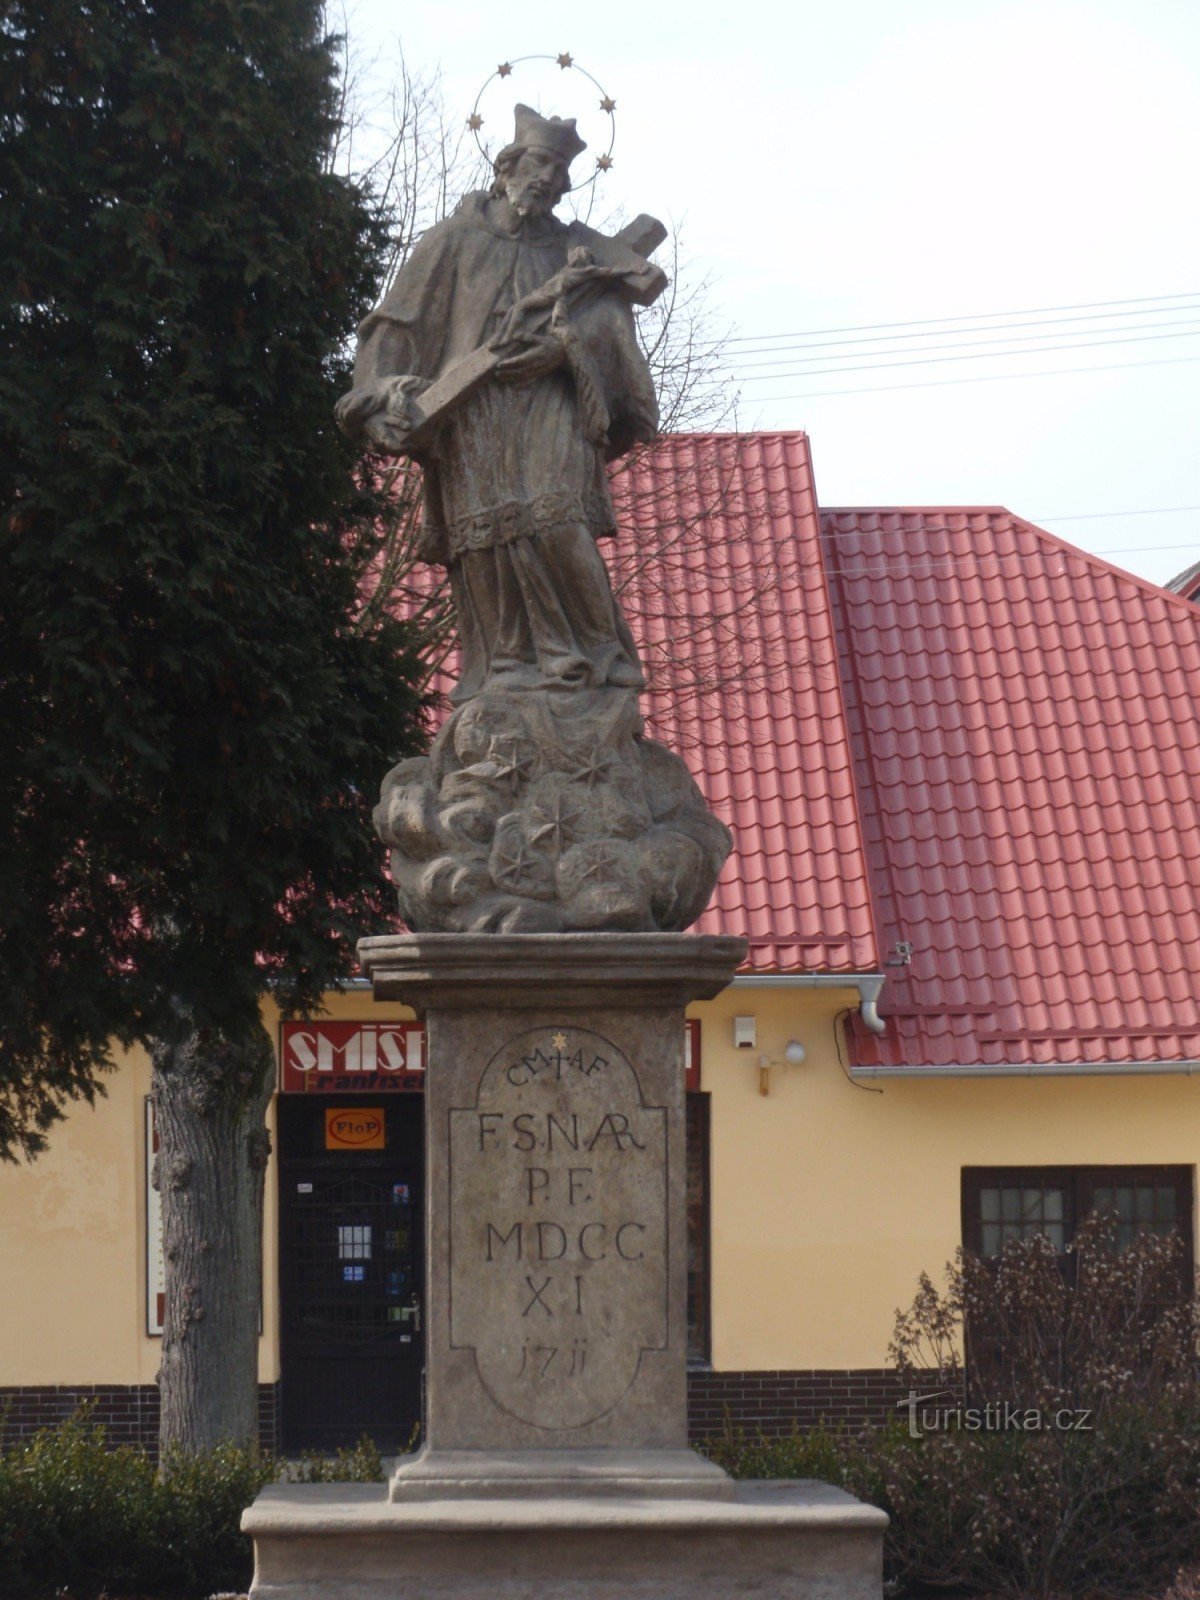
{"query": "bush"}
(1106, 1509)
(361, 1464)
(81, 1520)
(1021, 1514)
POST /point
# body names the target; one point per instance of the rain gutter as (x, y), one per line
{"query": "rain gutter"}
(1052, 1069)
(868, 985)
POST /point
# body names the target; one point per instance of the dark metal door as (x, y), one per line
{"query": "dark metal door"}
(352, 1349)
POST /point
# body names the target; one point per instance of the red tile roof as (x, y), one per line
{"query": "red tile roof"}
(718, 568)
(940, 727)
(1027, 752)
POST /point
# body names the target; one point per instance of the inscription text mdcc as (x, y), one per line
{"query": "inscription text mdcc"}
(558, 1227)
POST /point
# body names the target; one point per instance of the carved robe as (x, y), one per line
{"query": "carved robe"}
(515, 489)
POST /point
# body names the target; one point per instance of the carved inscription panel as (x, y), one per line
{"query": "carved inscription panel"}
(558, 1227)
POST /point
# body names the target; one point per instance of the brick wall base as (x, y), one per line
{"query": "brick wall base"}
(775, 1403)
(771, 1403)
(128, 1413)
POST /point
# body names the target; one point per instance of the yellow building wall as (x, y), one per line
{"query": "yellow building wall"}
(73, 1239)
(72, 1225)
(828, 1198)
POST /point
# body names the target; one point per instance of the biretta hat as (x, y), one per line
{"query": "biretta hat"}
(556, 134)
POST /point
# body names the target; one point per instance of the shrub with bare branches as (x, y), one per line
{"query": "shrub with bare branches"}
(1074, 1467)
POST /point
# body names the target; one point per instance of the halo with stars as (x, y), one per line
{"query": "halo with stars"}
(565, 62)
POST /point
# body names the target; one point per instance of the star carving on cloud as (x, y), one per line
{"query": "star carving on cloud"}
(565, 60)
(557, 819)
(593, 768)
(514, 761)
(510, 864)
(604, 860)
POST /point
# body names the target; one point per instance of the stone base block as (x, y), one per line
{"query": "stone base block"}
(774, 1541)
(551, 1474)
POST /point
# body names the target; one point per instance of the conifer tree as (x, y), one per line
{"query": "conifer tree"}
(192, 714)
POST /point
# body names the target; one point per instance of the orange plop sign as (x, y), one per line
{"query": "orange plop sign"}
(361, 1128)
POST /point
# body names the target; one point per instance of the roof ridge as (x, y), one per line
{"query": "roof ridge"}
(1095, 560)
(1106, 566)
(913, 510)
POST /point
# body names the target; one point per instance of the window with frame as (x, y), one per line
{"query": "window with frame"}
(1004, 1203)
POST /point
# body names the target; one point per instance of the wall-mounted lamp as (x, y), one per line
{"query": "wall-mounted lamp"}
(794, 1054)
(745, 1032)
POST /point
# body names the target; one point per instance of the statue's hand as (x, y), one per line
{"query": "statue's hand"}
(390, 428)
(386, 436)
(401, 392)
(381, 412)
(538, 355)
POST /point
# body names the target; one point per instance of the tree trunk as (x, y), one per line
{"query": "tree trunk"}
(210, 1095)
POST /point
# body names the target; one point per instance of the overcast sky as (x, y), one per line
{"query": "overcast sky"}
(845, 165)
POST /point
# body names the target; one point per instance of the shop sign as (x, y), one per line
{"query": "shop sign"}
(356, 1128)
(374, 1057)
(351, 1057)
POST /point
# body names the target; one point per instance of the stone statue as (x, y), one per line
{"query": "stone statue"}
(505, 360)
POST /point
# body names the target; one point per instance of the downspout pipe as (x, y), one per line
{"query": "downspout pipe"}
(868, 985)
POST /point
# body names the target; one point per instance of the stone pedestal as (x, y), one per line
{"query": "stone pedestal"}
(775, 1541)
(556, 1313)
(556, 1457)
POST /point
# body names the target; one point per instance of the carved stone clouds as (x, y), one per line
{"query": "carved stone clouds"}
(545, 810)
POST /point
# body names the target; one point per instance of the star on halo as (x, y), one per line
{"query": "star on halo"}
(474, 122)
(604, 163)
(504, 70)
(565, 60)
(608, 104)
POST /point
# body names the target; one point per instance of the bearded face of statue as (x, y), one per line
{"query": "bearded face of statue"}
(534, 182)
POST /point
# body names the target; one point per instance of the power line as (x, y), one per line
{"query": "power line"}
(1038, 520)
(1090, 516)
(987, 355)
(949, 333)
(886, 566)
(978, 316)
(976, 344)
(987, 377)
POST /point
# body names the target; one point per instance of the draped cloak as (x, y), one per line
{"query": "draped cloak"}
(515, 492)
